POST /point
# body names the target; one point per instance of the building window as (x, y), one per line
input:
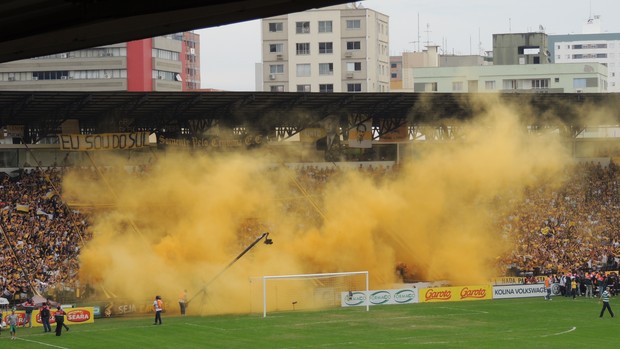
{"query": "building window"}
(326, 88)
(326, 47)
(276, 27)
(276, 48)
(303, 88)
(354, 87)
(51, 75)
(302, 27)
(589, 55)
(588, 46)
(164, 54)
(303, 48)
(326, 68)
(354, 24)
(354, 45)
(540, 84)
(511, 84)
(354, 66)
(325, 26)
(155, 74)
(303, 70)
(457, 86)
(557, 80)
(394, 65)
(394, 75)
(425, 87)
(276, 88)
(581, 83)
(489, 85)
(276, 69)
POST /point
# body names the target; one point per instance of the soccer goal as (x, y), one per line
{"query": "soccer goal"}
(307, 291)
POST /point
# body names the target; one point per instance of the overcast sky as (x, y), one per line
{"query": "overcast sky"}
(229, 53)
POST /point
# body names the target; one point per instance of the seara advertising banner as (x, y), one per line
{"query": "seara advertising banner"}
(74, 316)
(379, 297)
(456, 294)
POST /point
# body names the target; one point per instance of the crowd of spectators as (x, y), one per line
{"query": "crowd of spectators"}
(567, 230)
(40, 236)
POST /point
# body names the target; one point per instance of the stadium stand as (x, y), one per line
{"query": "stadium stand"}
(570, 232)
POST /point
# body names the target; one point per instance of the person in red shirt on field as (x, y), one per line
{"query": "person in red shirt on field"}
(59, 317)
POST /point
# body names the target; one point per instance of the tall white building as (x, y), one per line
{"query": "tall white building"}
(591, 46)
(340, 48)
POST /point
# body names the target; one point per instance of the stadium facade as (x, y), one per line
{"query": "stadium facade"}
(163, 63)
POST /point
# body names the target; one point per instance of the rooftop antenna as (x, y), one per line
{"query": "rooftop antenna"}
(428, 37)
(417, 41)
(509, 25)
(479, 43)
(419, 38)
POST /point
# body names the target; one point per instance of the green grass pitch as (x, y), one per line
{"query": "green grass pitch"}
(515, 323)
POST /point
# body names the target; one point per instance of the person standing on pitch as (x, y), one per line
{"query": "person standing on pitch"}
(548, 283)
(13, 324)
(183, 302)
(158, 306)
(59, 317)
(605, 300)
(28, 307)
(44, 312)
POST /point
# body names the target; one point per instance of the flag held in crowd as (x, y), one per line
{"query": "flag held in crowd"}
(22, 208)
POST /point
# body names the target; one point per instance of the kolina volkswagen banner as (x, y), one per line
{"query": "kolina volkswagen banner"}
(519, 291)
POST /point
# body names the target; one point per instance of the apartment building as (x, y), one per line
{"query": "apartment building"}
(343, 48)
(593, 46)
(521, 78)
(163, 63)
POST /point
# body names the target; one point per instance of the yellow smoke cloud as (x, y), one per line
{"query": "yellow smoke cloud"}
(181, 224)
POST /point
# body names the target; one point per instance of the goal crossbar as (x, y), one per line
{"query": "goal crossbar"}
(308, 276)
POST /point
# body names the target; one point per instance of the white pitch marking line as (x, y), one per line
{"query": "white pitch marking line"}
(467, 310)
(49, 345)
(560, 333)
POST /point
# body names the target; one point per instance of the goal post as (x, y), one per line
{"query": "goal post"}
(310, 291)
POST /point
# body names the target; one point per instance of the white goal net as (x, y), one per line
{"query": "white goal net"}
(304, 291)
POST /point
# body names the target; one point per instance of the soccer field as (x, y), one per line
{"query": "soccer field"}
(514, 323)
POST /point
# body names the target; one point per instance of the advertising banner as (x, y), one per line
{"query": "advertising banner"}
(456, 294)
(82, 315)
(519, 291)
(104, 141)
(514, 280)
(379, 297)
(400, 134)
(311, 134)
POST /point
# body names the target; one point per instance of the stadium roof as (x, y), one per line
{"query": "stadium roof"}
(156, 111)
(32, 28)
